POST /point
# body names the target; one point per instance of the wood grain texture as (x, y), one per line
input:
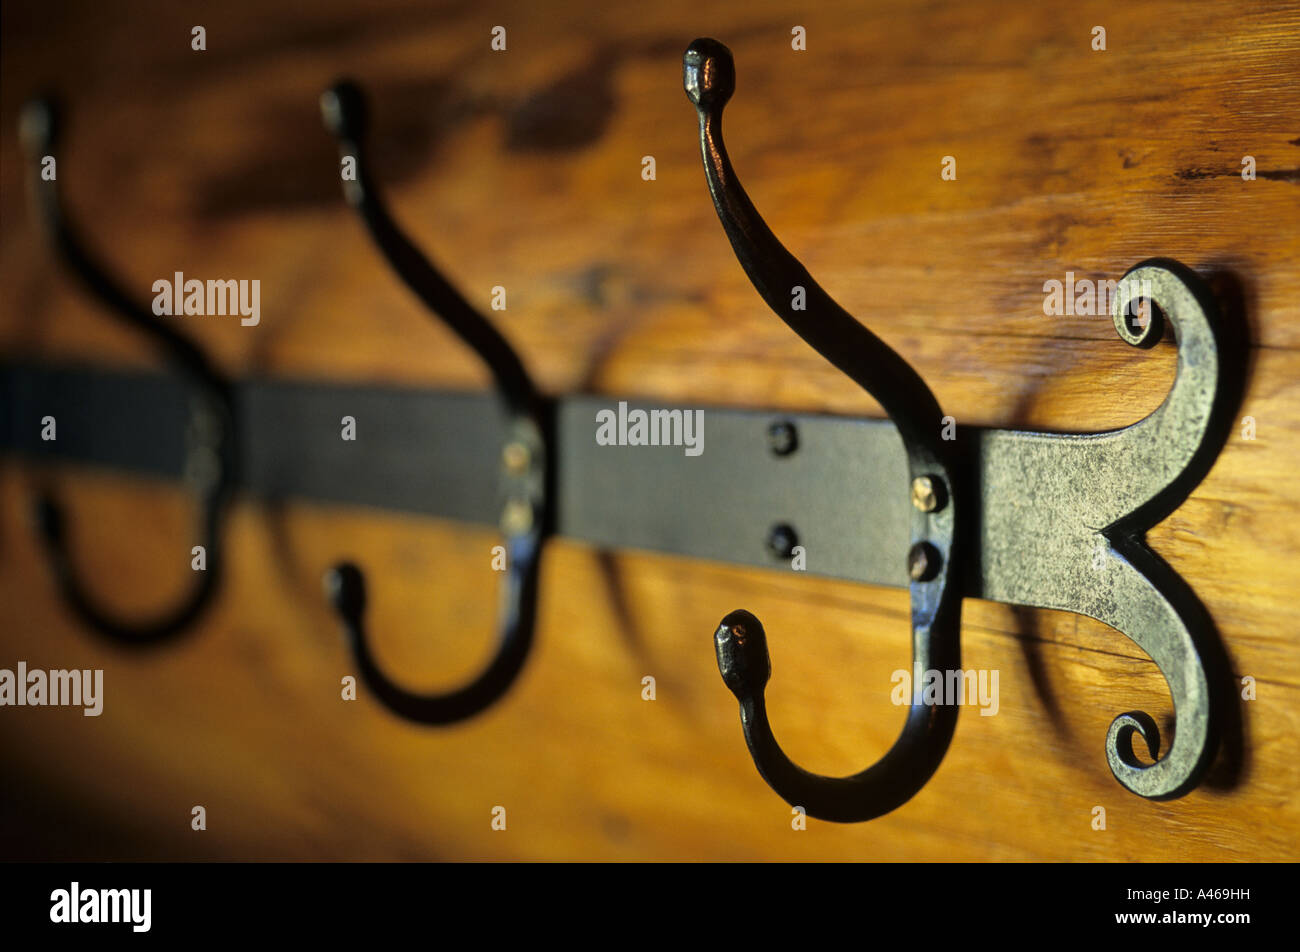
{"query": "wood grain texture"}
(522, 169)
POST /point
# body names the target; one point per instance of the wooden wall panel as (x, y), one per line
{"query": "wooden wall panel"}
(523, 169)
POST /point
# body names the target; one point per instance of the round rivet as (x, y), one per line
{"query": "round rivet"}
(517, 518)
(783, 438)
(928, 494)
(516, 458)
(923, 561)
(781, 540)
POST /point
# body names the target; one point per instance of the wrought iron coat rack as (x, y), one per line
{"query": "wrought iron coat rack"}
(1018, 517)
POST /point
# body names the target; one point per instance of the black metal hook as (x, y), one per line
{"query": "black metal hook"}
(211, 463)
(526, 515)
(708, 73)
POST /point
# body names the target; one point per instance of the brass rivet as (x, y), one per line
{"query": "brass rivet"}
(927, 493)
(517, 518)
(516, 458)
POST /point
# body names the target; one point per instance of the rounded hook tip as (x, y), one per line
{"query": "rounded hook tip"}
(343, 109)
(38, 126)
(708, 73)
(345, 586)
(741, 644)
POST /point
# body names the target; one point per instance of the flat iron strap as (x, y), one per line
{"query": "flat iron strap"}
(438, 453)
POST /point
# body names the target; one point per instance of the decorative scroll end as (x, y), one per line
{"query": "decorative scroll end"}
(709, 74)
(1137, 777)
(1142, 330)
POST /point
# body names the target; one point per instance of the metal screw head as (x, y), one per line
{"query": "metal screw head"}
(783, 438)
(923, 562)
(517, 518)
(516, 458)
(928, 494)
(781, 540)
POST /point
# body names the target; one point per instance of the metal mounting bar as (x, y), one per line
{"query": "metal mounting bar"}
(719, 506)
(438, 454)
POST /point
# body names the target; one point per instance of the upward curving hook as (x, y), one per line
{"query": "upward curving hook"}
(526, 515)
(211, 462)
(937, 525)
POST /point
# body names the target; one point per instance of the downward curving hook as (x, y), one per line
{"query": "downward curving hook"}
(741, 643)
(526, 518)
(211, 462)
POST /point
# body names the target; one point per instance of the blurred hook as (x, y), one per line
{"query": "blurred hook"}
(211, 460)
(708, 73)
(525, 519)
